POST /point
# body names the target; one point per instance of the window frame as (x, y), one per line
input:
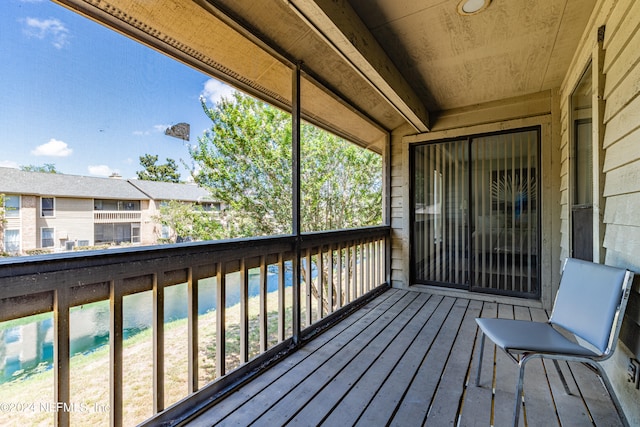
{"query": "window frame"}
(53, 237)
(9, 209)
(4, 240)
(52, 210)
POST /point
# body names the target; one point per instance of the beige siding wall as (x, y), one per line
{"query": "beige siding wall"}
(399, 209)
(617, 98)
(28, 215)
(73, 220)
(149, 229)
(538, 109)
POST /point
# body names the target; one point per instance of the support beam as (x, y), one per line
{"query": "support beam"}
(158, 344)
(115, 348)
(61, 350)
(295, 197)
(341, 27)
(192, 334)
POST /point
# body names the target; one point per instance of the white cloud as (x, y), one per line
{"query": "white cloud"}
(9, 164)
(101, 170)
(50, 28)
(215, 90)
(54, 148)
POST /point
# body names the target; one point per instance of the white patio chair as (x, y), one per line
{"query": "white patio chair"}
(590, 304)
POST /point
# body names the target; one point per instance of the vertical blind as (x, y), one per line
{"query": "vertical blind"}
(441, 241)
(475, 210)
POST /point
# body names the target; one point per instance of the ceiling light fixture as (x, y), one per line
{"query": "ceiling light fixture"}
(471, 7)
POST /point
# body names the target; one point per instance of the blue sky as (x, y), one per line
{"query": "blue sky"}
(87, 99)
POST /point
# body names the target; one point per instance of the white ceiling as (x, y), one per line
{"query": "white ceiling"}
(512, 48)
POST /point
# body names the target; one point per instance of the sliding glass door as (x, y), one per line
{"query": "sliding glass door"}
(475, 213)
(440, 235)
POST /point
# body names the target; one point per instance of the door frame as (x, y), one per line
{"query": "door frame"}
(469, 285)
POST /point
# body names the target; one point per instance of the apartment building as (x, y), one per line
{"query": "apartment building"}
(58, 212)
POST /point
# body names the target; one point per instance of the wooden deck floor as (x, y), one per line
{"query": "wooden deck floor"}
(409, 359)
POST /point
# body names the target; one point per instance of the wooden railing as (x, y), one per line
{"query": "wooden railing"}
(116, 216)
(336, 268)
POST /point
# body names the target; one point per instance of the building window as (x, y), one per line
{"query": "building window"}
(115, 233)
(47, 234)
(582, 225)
(12, 241)
(135, 233)
(47, 205)
(116, 205)
(165, 232)
(211, 206)
(12, 206)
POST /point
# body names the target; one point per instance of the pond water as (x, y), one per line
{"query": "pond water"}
(27, 347)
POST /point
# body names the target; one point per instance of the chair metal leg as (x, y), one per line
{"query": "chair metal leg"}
(562, 378)
(519, 387)
(607, 385)
(480, 359)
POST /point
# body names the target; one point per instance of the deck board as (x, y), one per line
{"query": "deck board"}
(388, 397)
(417, 399)
(268, 381)
(361, 349)
(371, 381)
(328, 384)
(410, 358)
(477, 408)
(456, 373)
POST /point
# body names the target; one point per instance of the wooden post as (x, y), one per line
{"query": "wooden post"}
(264, 313)
(295, 187)
(221, 297)
(61, 353)
(115, 348)
(244, 311)
(158, 344)
(281, 299)
(192, 333)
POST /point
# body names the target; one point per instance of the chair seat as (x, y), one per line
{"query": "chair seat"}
(518, 336)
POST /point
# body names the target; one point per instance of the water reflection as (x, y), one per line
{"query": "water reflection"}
(27, 348)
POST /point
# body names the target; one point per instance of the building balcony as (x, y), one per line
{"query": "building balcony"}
(341, 347)
(107, 217)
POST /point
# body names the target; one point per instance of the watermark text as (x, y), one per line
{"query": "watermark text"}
(52, 407)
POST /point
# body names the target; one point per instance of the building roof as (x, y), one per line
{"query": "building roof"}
(171, 191)
(15, 181)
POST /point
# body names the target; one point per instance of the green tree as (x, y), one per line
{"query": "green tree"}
(189, 221)
(46, 168)
(341, 183)
(245, 160)
(167, 172)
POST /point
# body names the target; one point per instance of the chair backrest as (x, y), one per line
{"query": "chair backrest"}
(590, 302)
